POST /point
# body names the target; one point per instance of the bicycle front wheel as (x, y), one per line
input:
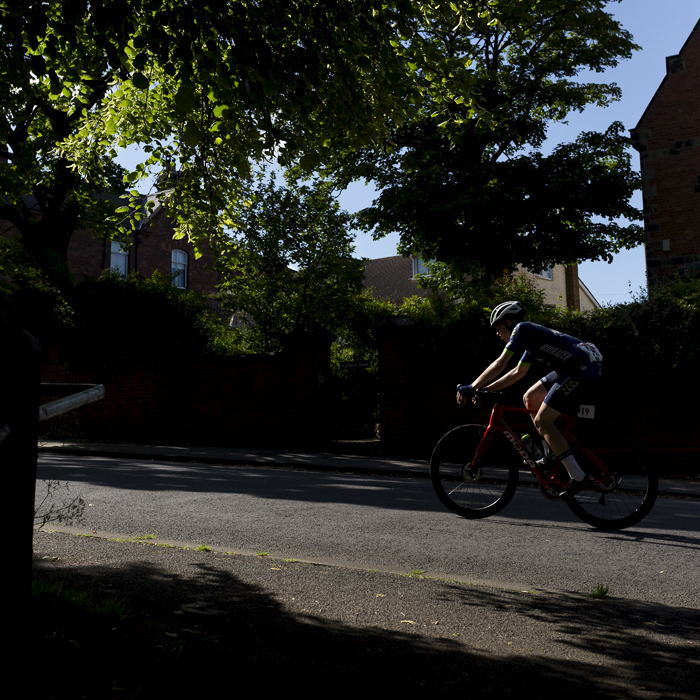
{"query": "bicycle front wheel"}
(624, 496)
(474, 487)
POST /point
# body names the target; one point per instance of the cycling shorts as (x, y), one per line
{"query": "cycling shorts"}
(564, 389)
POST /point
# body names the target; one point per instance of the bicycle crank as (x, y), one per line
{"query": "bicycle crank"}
(549, 494)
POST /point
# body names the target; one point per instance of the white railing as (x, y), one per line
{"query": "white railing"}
(86, 393)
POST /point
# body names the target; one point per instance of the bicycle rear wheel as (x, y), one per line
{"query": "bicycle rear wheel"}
(473, 489)
(625, 497)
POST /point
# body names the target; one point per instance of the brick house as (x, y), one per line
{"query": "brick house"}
(667, 138)
(394, 278)
(151, 247)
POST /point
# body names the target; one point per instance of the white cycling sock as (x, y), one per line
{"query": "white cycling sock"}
(575, 472)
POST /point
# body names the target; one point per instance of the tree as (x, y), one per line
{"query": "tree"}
(479, 194)
(289, 261)
(36, 115)
(211, 86)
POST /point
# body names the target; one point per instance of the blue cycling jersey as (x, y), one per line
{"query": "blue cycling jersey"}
(556, 350)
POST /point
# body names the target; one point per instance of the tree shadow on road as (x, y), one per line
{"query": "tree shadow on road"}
(656, 645)
(199, 629)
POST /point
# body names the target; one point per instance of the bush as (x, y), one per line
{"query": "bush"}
(651, 339)
(27, 299)
(442, 324)
(120, 323)
(456, 332)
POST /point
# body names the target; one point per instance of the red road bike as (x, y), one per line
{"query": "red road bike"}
(474, 470)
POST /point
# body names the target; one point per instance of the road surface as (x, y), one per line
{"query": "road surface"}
(385, 523)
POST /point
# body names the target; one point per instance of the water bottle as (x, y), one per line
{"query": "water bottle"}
(532, 446)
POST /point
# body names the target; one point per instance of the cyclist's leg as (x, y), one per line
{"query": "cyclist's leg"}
(544, 416)
(545, 423)
(551, 397)
(536, 394)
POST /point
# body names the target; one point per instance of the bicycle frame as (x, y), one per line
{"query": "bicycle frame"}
(554, 480)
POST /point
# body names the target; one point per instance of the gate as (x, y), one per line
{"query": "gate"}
(355, 400)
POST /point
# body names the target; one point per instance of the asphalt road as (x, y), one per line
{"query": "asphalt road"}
(386, 524)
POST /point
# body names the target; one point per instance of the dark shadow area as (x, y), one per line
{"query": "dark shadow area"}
(198, 629)
(646, 537)
(291, 483)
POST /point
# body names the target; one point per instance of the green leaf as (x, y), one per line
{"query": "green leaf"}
(140, 61)
(192, 135)
(308, 161)
(221, 111)
(140, 81)
(185, 98)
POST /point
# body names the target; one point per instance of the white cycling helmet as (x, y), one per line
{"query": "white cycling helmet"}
(508, 310)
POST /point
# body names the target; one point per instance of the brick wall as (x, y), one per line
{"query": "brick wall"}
(668, 140)
(87, 256)
(277, 399)
(417, 387)
(154, 253)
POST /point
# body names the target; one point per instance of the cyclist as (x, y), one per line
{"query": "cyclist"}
(573, 364)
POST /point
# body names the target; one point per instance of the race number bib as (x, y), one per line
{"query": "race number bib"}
(586, 411)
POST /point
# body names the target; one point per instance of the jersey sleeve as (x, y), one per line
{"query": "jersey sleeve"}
(516, 345)
(526, 360)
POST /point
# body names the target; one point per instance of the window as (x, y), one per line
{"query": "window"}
(546, 273)
(119, 258)
(420, 267)
(179, 268)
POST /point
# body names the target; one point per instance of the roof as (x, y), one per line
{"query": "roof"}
(30, 201)
(392, 278)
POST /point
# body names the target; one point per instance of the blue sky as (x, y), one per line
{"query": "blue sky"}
(660, 27)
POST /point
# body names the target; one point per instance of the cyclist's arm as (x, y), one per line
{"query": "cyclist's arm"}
(493, 370)
(515, 375)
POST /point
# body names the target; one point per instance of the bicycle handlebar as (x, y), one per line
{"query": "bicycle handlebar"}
(491, 398)
(482, 395)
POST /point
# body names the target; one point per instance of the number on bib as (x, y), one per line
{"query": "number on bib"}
(585, 411)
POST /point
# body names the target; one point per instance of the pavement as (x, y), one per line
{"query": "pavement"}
(290, 622)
